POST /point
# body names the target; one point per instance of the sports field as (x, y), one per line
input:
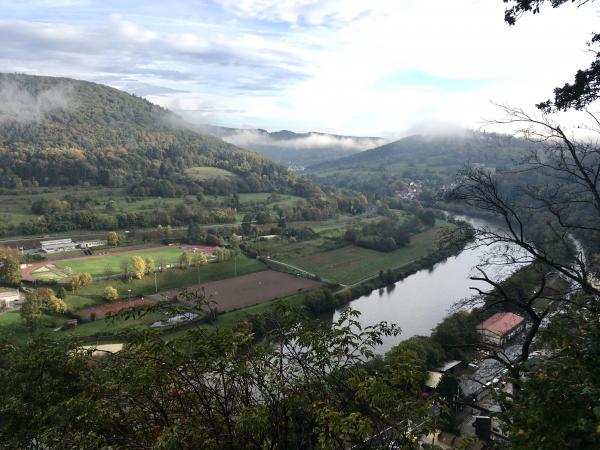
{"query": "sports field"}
(110, 264)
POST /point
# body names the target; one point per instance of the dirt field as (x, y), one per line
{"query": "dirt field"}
(247, 290)
(101, 311)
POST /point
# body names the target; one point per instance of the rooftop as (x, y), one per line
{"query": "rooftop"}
(448, 365)
(501, 323)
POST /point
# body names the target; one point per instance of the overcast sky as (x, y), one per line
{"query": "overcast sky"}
(358, 67)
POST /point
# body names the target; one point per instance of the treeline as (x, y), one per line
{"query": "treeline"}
(390, 233)
(59, 221)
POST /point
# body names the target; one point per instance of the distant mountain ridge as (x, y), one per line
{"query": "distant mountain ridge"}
(435, 159)
(61, 131)
(295, 149)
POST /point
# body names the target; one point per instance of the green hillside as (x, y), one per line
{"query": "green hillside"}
(433, 160)
(60, 131)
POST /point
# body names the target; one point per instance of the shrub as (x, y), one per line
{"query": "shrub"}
(110, 294)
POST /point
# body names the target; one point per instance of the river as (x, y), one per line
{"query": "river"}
(420, 301)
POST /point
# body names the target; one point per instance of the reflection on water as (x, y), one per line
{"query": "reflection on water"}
(422, 300)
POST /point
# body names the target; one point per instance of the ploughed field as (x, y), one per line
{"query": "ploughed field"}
(247, 290)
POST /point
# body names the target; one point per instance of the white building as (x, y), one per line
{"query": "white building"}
(9, 298)
(58, 245)
(94, 243)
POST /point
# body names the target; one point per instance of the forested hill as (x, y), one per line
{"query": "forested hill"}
(433, 159)
(60, 131)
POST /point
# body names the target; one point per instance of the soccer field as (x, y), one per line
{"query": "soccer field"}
(110, 264)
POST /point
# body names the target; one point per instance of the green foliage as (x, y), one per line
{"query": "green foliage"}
(225, 394)
(586, 85)
(40, 301)
(457, 335)
(558, 404)
(320, 301)
(61, 293)
(10, 268)
(31, 310)
(385, 235)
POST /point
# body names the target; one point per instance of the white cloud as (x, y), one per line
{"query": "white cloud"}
(312, 12)
(309, 64)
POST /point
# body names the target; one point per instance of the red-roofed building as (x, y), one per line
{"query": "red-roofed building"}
(500, 328)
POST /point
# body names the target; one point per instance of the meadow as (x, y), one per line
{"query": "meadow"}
(349, 264)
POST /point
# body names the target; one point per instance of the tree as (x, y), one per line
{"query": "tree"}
(199, 259)
(80, 280)
(222, 254)
(110, 294)
(31, 310)
(307, 386)
(150, 264)
(10, 268)
(62, 293)
(586, 86)
(247, 224)
(138, 267)
(185, 260)
(113, 238)
(427, 218)
(234, 242)
(124, 265)
(550, 209)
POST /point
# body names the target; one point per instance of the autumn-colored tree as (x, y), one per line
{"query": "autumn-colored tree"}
(110, 294)
(138, 266)
(150, 264)
(80, 280)
(113, 238)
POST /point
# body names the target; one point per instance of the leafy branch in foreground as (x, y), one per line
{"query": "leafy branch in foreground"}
(307, 385)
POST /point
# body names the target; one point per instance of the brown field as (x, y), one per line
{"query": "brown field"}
(102, 311)
(247, 290)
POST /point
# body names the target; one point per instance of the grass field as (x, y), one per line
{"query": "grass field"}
(350, 264)
(115, 325)
(204, 173)
(169, 279)
(111, 264)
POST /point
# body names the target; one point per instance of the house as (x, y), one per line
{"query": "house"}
(501, 328)
(58, 245)
(8, 299)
